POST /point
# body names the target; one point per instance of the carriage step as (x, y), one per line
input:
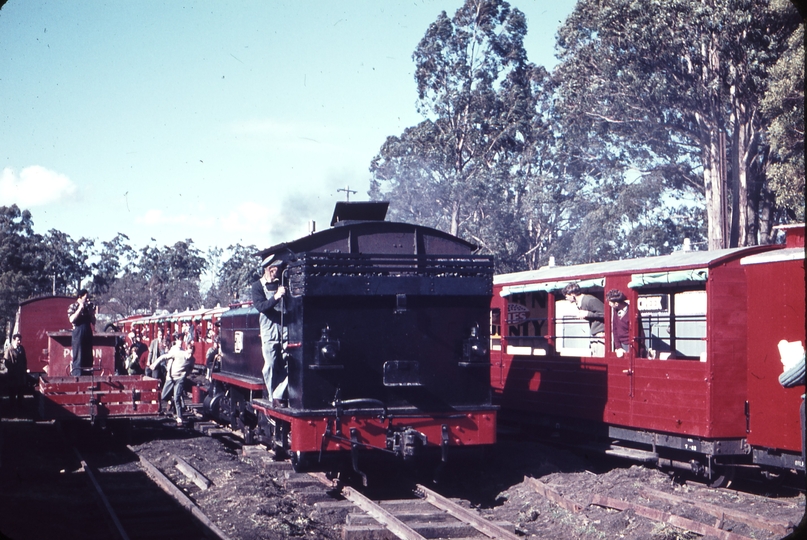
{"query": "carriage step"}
(644, 456)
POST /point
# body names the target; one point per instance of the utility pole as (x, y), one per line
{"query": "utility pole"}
(347, 191)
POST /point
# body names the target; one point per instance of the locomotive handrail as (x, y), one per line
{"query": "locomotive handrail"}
(328, 264)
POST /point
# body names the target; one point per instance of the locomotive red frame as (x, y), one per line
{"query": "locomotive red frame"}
(699, 388)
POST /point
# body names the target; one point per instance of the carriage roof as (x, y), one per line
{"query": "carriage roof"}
(677, 261)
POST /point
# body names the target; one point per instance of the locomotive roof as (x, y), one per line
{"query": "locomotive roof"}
(345, 230)
(679, 260)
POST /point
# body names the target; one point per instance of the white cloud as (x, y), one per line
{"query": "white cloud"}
(249, 217)
(34, 186)
(247, 221)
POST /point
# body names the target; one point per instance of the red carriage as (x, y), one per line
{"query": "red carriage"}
(698, 386)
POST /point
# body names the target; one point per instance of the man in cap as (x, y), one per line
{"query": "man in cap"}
(266, 295)
(14, 369)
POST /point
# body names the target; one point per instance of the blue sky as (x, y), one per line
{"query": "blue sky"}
(220, 121)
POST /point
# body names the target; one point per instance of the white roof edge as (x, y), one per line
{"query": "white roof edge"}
(780, 255)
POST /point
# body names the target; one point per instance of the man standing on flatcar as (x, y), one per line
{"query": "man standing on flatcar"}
(81, 314)
(266, 295)
(591, 309)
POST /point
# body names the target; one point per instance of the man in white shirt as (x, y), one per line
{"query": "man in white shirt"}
(179, 364)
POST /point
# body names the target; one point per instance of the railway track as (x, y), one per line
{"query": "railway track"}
(249, 494)
(140, 502)
(70, 483)
(427, 515)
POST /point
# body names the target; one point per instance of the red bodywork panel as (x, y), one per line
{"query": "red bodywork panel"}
(98, 397)
(469, 428)
(776, 296)
(60, 353)
(685, 397)
(37, 317)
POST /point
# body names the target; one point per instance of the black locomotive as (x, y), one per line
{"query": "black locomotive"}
(387, 348)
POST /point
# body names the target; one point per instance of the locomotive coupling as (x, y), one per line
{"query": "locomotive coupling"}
(406, 443)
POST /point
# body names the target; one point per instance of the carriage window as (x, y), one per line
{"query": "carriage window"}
(495, 329)
(578, 336)
(527, 324)
(674, 325)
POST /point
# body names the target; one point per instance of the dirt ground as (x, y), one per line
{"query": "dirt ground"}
(248, 499)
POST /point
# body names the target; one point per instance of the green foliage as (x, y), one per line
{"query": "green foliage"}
(65, 261)
(234, 276)
(22, 272)
(123, 280)
(656, 86)
(783, 109)
(171, 276)
(115, 256)
(474, 92)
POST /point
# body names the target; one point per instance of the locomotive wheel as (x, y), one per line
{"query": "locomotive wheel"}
(281, 439)
(249, 435)
(264, 432)
(303, 461)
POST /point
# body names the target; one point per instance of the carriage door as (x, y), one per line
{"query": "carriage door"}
(496, 372)
(621, 351)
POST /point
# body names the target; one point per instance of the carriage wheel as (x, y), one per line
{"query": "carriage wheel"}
(725, 474)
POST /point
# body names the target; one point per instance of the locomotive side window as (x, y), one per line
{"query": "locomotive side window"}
(577, 335)
(674, 325)
(527, 324)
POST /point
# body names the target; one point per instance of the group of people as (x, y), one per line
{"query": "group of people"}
(592, 309)
(170, 364)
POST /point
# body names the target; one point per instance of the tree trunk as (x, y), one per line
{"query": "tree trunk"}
(455, 218)
(742, 141)
(766, 218)
(715, 190)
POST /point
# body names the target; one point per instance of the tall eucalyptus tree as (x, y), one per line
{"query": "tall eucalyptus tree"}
(675, 86)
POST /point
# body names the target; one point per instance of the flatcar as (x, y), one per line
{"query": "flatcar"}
(99, 396)
(386, 349)
(695, 387)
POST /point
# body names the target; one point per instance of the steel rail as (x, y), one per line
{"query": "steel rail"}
(165, 483)
(104, 501)
(393, 524)
(463, 514)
